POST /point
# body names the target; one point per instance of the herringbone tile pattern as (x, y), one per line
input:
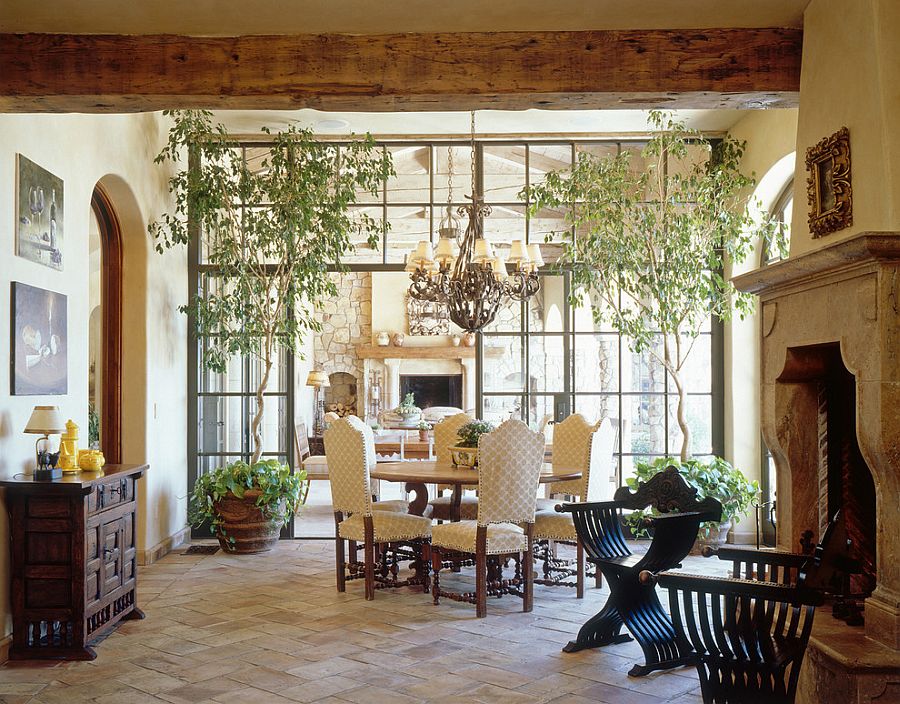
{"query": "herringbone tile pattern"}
(272, 629)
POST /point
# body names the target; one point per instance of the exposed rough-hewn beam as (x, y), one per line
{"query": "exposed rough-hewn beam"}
(730, 68)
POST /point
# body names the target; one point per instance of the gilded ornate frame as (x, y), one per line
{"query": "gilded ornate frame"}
(828, 188)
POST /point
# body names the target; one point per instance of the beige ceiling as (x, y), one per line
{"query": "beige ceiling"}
(235, 17)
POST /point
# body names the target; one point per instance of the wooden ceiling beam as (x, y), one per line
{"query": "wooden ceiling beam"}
(710, 68)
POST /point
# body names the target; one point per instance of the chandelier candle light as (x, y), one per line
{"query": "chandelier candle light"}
(475, 282)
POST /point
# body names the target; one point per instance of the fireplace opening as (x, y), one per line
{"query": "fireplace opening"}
(433, 389)
(836, 476)
(341, 394)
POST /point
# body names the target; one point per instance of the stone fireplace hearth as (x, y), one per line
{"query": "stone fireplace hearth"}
(830, 400)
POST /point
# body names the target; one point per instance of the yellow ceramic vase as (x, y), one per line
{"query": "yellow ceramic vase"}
(91, 460)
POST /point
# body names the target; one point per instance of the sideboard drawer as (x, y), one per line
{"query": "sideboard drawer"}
(109, 493)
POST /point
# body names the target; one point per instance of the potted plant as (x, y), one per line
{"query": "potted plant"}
(424, 428)
(465, 452)
(716, 478)
(648, 246)
(246, 505)
(271, 231)
(408, 411)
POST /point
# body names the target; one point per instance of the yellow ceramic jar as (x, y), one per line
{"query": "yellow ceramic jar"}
(91, 460)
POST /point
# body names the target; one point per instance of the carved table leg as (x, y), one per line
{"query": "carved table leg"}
(420, 501)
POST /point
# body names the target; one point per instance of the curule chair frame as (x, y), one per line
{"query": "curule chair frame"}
(631, 603)
(748, 634)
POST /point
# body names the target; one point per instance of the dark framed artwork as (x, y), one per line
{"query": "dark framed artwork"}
(39, 344)
(828, 187)
(39, 214)
(427, 318)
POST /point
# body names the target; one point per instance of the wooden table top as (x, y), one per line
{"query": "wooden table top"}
(83, 480)
(433, 472)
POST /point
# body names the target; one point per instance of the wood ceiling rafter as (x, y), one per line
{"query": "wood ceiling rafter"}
(708, 68)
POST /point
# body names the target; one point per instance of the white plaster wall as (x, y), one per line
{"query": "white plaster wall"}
(851, 78)
(82, 150)
(770, 136)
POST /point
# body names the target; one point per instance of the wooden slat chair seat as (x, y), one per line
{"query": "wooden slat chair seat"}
(746, 638)
(631, 603)
(748, 634)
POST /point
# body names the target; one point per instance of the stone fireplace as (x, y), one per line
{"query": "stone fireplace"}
(830, 400)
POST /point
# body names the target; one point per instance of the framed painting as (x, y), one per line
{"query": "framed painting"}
(39, 214)
(39, 344)
(828, 186)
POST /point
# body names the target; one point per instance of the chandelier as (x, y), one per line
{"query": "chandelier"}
(474, 282)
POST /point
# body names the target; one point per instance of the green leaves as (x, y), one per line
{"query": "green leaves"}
(648, 245)
(271, 229)
(281, 493)
(470, 433)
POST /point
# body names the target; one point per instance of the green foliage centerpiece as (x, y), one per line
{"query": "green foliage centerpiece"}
(271, 230)
(648, 245)
(465, 452)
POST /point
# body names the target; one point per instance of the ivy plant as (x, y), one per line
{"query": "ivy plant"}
(647, 243)
(280, 492)
(272, 227)
(716, 478)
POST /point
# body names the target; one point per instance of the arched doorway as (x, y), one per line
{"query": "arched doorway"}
(105, 346)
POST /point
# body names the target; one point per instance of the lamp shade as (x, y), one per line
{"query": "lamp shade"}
(534, 253)
(446, 250)
(483, 251)
(317, 377)
(517, 253)
(45, 420)
(498, 264)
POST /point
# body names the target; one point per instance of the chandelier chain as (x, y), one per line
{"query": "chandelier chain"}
(449, 176)
(472, 153)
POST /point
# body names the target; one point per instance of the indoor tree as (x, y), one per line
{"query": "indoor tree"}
(648, 243)
(273, 230)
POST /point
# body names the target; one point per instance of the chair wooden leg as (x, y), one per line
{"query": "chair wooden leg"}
(579, 566)
(598, 578)
(528, 572)
(369, 552)
(340, 566)
(435, 572)
(481, 572)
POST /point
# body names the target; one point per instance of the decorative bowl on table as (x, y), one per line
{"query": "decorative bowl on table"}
(464, 456)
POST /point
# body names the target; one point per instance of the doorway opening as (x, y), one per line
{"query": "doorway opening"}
(105, 333)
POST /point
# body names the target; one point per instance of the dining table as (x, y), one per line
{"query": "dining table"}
(417, 475)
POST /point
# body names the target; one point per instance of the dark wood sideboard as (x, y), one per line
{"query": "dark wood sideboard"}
(73, 560)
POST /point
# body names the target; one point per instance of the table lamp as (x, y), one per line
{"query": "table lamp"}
(45, 421)
(317, 379)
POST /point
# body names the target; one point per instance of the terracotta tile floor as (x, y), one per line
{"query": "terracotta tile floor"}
(272, 629)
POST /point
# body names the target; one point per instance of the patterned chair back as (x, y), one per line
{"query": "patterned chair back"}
(509, 468)
(572, 443)
(445, 435)
(350, 454)
(596, 481)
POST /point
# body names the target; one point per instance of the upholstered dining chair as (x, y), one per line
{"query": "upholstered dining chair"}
(576, 445)
(350, 452)
(509, 468)
(445, 436)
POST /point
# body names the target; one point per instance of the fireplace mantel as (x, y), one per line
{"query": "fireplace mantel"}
(845, 295)
(799, 272)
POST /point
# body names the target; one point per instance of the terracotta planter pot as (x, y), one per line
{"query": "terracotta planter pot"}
(715, 539)
(244, 522)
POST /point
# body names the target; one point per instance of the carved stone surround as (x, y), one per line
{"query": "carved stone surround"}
(848, 293)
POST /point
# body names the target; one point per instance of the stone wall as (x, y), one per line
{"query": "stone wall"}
(346, 324)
